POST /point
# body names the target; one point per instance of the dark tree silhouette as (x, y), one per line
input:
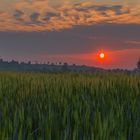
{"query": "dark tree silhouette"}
(65, 67)
(138, 65)
(1, 60)
(48, 63)
(29, 62)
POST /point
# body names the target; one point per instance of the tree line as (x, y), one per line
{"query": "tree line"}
(15, 65)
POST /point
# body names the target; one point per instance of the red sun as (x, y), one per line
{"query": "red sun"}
(102, 55)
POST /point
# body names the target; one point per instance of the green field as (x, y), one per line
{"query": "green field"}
(69, 106)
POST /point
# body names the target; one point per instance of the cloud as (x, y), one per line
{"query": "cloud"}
(43, 15)
(18, 15)
(117, 9)
(49, 15)
(133, 42)
(35, 17)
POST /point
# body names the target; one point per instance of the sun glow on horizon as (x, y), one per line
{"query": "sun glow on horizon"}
(102, 55)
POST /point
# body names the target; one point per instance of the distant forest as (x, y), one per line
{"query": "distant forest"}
(55, 67)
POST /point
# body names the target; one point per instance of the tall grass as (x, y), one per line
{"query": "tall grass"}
(69, 106)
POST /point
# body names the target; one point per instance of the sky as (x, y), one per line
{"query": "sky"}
(72, 31)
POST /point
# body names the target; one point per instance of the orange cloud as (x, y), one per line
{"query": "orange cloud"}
(43, 15)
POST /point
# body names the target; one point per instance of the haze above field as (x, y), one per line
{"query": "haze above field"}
(73, 32)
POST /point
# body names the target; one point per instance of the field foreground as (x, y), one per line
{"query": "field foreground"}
(69, 106)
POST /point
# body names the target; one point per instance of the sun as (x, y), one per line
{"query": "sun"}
(102, 55)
